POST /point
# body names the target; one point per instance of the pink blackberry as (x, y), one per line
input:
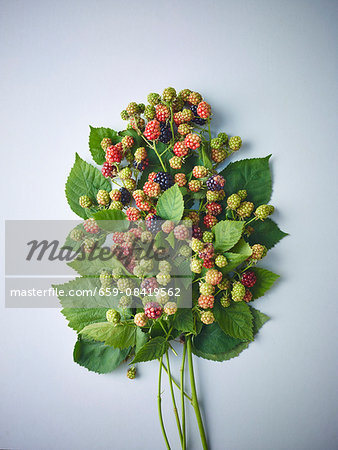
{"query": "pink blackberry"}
(153, 310)
(199, 171)
(149, 284)
(91, 226)
(180, 179)
(213, 277)
(194, 98)
(207, 251)
(153, 130)
(127, 142)
(140, 319)
(192, 141)
(151, 188)
(162, 112)
(107, 170)
(113, 155)
(204, 110)
(206, 301)
(175, 162)
(133, 214)
(248, 296)
(195, 185)
(180, 149)
(181, 232)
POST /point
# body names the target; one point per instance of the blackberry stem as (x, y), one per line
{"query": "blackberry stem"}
(159, 401)
(159, 157)
(173, 399)
(184, 442)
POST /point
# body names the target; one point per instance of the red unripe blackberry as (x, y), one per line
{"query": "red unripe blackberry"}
(152, 130)
(180, 149)
(199, 171)
(207, 252)
(249, 279)
(204, 110)
(213, 277)
(197, 232)
(127, 142)
(91, 226)
(133, 214)
(149, 284)
(214, 208)
(107, 170)
(162, 112)
(248, 296)
(181, 232)
(151, 188)
(153, 310)
(192, 141)
(113, 154)
(180, 179)
(210, 221)
(208, 263)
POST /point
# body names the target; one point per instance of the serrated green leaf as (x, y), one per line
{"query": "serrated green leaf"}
(79, 318)
(153, 349)
(95, 137)
(170, 205)
(97, 357)
(238, 254)
(227, 234)
(119, 336)
(236, 320)
(171, 239)
(259, 319)
(266, 233)
(183, 320)
(252, 175)
(205, 158)
(107, 220)
(265, 280)
(84, 179)
(141, 339)
(95, 262)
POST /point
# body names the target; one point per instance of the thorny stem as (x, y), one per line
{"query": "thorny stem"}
(195, 403)
(173, 399)
(159, 401)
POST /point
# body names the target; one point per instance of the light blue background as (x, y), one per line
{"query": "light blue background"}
(269, 70)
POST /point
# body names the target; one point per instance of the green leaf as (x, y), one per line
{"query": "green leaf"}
(118, 336)
(183, 320)
(236, 320)
(259, 319)
(84, 179)
(95, 262)
(106, 219)
(239, 253)
(212, 343)
(265, 279)
(171, 239)
(79, 318)
(97, 357)
(170, 205)
(266, 233)
(227, 234)
(95, 137)
(141, 339)
(252, 175)
(153, 349)
(205, 158)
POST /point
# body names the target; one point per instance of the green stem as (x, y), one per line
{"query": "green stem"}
(173, 399)
(159, 401)
(184, 442)
(251, 220)
(176, 384)
(209, 131)
(159, 157)
(194, 402)
(171, 124)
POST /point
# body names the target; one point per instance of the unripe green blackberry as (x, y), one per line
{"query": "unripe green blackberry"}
(140, 319)
(103, 197)
(238, 291)
(130, 184)
(184, 129)
(208, 236)
(243, 194)
(88, 245)
(170, 308)
(162, 297)
(85, 201)
(258, 252)
(263, 211)
(216, 143)
(148, 264)
(116, 205)
(139, 271)
(175, 162)
(105, 143)
(113, 316)
(212, 196)
(125, 173)
(235, 143)
(105, 278)
(150, 112)
(196, 245)
(185, 251)
(125, 302)
(224, 284)
(196, 265)
(146, 236)
(163, 278)
(131, 373)
(154, 98)
(178, 104)
(117, 273)
(169, 94)
(233, 201)
(185, 94)
(76, 235)
(164, 266)
(223, 137)
(132, 109)
(125, 283)
(195, 98)
(221, 261)
(207, 317)
(124, 115)
(245, 209)
(140, 154)
(206, 289)
(141, 107)
(225, 301)
(218, 155)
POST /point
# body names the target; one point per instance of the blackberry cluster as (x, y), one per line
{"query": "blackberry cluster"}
(197, 119)
(141, 165)
(164, 179)
(165, 135)
(213, 183)
(125, 196)
(153, 223)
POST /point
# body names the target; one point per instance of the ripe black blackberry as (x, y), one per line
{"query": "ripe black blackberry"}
(196, 232)
(165, 135)
(215, 183)
(197, 119)
(141, 165)
(125, 196)
(153, 223)
(164, 179)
